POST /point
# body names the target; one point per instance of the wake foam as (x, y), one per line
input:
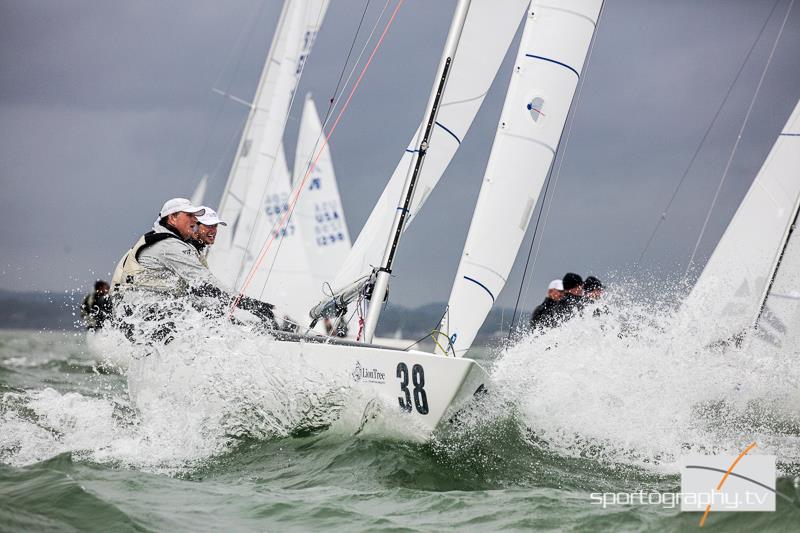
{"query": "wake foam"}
(636, 384)
(194, 398)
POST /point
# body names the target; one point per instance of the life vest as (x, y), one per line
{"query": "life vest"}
(128, 272)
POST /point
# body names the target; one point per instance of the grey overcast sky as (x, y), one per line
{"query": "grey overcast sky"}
(106, 110)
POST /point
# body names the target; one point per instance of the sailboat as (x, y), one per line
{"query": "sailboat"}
(423, 389)
(428, 388)
(757, 291)
(257, 192)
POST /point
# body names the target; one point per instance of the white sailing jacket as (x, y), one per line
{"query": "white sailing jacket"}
(168, 265)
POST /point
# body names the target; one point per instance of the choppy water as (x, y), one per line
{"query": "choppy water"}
(247, 443)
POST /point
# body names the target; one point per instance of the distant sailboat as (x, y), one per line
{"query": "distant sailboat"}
(319, 211)
(259, 185)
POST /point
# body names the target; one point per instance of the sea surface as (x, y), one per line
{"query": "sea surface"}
(249, 446)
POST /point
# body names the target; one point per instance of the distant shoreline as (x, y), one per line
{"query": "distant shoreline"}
(31, 311)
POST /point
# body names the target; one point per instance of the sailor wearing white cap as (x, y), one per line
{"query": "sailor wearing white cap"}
(206, 232)
(543, 316)
(163, 259)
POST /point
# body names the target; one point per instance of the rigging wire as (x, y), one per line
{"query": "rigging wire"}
(347, 60)
(298, 190)
(736, 144)
(665, 211)
(242, 38)
(563, 152)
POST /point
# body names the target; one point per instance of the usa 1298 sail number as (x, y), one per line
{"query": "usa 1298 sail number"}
(417, 382)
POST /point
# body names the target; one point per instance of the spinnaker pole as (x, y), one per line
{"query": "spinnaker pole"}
(421, 146)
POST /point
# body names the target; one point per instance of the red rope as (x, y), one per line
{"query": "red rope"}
(311, 167)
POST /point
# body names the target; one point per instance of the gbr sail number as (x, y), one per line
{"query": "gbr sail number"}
(418, 392)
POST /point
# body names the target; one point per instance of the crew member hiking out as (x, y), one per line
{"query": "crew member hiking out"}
(544, 315)
(96, 306)
(206, 233)
(572, 302)
(593, 291)
(164, 267)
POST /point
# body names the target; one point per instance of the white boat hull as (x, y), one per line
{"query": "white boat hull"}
(376, 392)
(402, 395)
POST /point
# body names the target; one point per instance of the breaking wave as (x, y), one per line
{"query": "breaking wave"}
(637, 384)
(212, 386)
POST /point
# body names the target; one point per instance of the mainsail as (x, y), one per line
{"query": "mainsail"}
(319, 209)
(258, 160)
(742, 275)
(549, 63)
(489, 28)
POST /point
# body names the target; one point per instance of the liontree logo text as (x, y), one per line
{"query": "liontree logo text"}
(371, 375)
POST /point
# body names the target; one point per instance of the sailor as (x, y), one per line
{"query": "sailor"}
(206, 232)
(593, 288)
(573, 301)
(96, 307)
(543, 316)
(163, 259)
(164, 262)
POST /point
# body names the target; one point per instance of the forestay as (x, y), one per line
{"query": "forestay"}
(256, 162)
(319, 208)
(549, 63)
(734, 284)
(489, 28)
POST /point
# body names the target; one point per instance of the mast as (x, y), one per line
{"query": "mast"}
(423, 141)
(487, 34)
(778, 261)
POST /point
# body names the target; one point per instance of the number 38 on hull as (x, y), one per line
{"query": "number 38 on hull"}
(403, 394)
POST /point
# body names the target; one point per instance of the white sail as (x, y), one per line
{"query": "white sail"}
(549, 63)
(261, 145)
(319, 209)
(734, 282)
(284, 277)
(199, 193)
(489, 28)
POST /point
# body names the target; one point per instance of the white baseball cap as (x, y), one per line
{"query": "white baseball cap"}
(179, 205)
(556, 284)
(210, 217)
